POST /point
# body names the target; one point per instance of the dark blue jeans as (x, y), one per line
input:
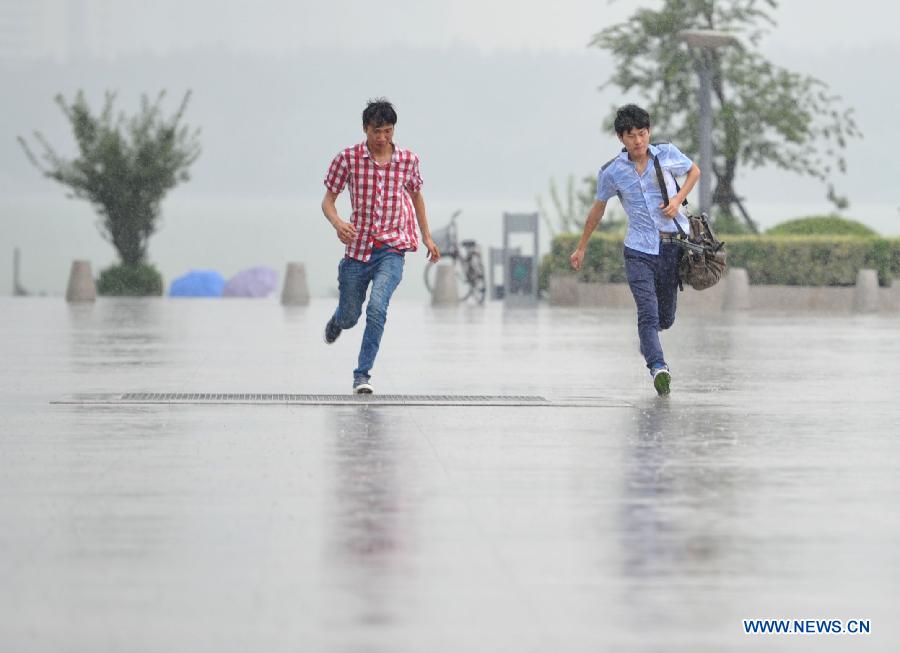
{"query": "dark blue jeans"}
(653, 280)
(384, 271)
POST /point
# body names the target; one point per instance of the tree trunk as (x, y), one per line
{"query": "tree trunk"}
(724, 196)
(126, 239)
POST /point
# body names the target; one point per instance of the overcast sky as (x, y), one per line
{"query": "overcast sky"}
(500, 73)
(283, 26)
(506, 76)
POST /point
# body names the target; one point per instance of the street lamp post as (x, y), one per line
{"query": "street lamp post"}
(706, 41)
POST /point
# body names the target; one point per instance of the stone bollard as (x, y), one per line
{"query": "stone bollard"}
(737, 290)
(295, 291)
(81, 286)
(444, 291)
(865, 297)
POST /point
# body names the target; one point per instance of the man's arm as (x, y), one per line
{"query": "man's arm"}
(693, 176)
(346, 232)
(593, 219)
(418, 200)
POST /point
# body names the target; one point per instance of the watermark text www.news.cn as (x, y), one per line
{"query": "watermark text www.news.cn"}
(807, 626)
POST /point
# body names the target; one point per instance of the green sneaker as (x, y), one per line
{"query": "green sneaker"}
(662, 378)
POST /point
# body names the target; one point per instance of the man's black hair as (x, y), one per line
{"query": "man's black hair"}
(629, 117)
(379, 112)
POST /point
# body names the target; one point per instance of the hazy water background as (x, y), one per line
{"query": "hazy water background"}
(230, 234)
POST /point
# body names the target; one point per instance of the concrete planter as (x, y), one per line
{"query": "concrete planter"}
(296, 290)
(81, 286)
(734, 293)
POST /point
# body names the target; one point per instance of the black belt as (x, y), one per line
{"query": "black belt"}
(672, 238)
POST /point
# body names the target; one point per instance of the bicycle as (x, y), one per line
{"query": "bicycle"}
(467, 261)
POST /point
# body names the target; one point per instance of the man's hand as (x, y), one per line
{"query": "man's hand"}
(434, 254)
(671, 210)
(577, 259)
(346, 232)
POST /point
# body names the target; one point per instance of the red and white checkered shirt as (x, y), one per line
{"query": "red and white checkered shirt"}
(380, 196)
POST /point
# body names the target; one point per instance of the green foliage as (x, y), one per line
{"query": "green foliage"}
(778, 260)
(571, 213)
(763, 114)
(814, 260)
(570, 210)
(603, 260)
(140, 280)
(820, 225)
(125, 166)
(727, 224)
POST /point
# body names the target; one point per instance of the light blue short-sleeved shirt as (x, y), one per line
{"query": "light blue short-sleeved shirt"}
(640, 194)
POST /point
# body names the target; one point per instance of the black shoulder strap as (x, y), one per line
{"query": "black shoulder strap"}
(665, 192)
(662, 183)
(661, 180)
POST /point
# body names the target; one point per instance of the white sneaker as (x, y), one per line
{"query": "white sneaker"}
(362, 388)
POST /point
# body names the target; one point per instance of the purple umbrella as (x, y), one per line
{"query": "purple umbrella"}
(252, 282)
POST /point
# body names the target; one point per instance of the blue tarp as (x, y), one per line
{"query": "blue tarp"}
(198, 283)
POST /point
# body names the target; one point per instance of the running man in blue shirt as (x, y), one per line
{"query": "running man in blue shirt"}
(651, 266)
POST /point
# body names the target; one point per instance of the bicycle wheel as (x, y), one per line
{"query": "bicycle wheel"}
(475, 278)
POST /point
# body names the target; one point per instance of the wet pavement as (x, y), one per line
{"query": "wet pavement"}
(765, 487)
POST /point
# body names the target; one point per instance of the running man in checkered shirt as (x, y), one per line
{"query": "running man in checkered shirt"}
(386, 198)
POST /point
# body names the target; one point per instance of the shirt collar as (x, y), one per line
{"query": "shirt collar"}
(395, 155)
(652, 149)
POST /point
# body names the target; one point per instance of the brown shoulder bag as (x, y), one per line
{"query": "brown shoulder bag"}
(702, 261)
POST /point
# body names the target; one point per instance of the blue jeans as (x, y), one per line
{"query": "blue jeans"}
(384, 271)
(653, 280)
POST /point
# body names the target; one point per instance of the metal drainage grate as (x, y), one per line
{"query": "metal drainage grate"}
(212, 398)
(323, 399)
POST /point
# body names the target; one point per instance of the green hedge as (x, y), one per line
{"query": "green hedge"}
(778, 260)
(602, 260)
(822, 225)
(130, 280)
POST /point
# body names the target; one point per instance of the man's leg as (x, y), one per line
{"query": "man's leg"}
(667, 283)
(353, 281)
(387, 275)
(640, 270)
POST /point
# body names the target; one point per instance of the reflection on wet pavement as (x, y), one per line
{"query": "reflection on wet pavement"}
(764, 487)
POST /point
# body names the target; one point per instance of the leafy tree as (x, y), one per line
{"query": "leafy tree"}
(763, 114)
(124, 167)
